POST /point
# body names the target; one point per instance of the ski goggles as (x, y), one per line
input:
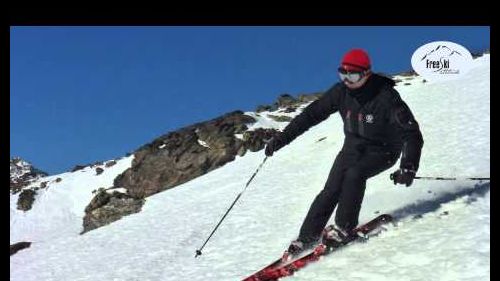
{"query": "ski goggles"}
(350, 76)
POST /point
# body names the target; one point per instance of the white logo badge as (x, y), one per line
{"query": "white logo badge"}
(369, 118)
(441, 60)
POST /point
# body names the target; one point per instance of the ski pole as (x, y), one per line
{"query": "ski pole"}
(443, 178)
(198, 252)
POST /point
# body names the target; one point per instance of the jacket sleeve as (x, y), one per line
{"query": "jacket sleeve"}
(410, 135)
(313, 114)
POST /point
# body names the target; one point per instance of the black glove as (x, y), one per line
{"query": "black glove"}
(274, 144)
(403, 176)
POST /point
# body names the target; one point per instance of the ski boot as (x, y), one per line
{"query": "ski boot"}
(333, 237)
(295, 249)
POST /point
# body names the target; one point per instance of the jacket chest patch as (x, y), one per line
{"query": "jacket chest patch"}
(366, 118)
(369, 118)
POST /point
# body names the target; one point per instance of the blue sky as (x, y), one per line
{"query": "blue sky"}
(83, 94)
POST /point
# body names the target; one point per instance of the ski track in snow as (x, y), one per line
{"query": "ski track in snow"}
(159, 243)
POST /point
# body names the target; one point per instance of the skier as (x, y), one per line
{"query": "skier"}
(378, 127)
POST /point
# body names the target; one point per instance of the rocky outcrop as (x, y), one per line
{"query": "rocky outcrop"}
(303, 98)
(78, 167)
(256, 140)
(110, 163)
(180, 156)
(14, 248)
(289, 102)
(81, 167)
(262, 108)
(22, 173)
(26, 199)
(280, 118)
(476, 55)
(286, 100)
(408, 73)
(107, 207)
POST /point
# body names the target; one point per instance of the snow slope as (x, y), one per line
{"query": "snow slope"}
(58, 210)
(442, 230)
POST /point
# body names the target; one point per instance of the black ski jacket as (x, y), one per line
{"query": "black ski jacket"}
(375, 118)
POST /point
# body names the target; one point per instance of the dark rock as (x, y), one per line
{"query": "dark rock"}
(43, 184)
(242, 151)
(286, 100)
(303, 98)
(98, 163)
(256, 140)
(110, 163)
(99, 171)
(408, 73)
(14, 189)
(178, 157)
(98, 201)
(240, 128)
(14, 248)
(58, 180)
(280, 118)
(106, 208)
(424, 81)
(289, 102)
(407, 84)
(262, 108)
(78, 167)
(477, 54)
(321, 139)
(26, 199)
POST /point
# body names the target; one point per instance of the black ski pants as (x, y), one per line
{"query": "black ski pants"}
(345, 187)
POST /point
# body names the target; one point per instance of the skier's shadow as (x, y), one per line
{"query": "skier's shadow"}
(426, 206)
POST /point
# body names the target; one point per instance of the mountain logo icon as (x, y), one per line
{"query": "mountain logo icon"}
(444, 49)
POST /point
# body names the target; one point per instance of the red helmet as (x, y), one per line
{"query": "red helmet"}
(356, 59)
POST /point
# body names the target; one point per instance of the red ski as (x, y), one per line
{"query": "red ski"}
(278, 269)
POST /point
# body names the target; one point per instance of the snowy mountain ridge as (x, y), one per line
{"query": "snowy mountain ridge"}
(22, 172)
